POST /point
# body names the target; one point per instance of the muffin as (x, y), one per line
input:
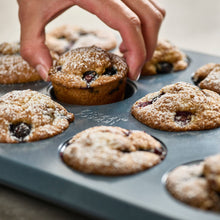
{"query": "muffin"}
(107, 150)
(89, 76)
(67, 37)
(179, 107)
(167, 58)
(208, 77)
(27, 116)
(212, 172)
(13, 69)
(192, 184)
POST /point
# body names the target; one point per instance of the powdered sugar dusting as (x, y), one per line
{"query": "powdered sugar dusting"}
(111, 151)
(188, 184)
(13, 69)
(76, 62)
(46, 117)
(212, 81)
(67, 37)
(165, 52)
(204, 107)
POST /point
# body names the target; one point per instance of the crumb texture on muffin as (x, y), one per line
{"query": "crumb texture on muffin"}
(192, 184)
(27, 115)
(179, 107)
(208, 77)
(212, 171)
(89, 75)
(107, 150)
(167, 58)
(13, 69)
(68, 37)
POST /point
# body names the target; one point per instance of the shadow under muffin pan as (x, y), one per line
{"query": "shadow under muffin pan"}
(37, 169)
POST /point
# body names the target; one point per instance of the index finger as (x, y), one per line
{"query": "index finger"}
(118, 16)
(34, 15)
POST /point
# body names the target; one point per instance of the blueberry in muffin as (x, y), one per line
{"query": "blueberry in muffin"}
(89, 76)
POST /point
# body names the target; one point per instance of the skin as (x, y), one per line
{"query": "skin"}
(138, 22)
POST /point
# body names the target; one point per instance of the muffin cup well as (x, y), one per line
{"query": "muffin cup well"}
(103, 94)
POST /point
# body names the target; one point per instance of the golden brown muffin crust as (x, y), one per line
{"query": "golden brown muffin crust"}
(212, 171)
(13, 69)
(208, 77)
(188, 184)
(179, 107)
(67, 37)
(72, 65)
(27, 115)
(166, 58)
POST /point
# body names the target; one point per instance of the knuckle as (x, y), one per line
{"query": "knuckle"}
(158, 17)
(135, 21)
(163, 12)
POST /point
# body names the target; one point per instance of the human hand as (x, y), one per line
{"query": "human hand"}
(137, 21)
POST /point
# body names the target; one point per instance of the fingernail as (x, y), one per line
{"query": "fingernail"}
(138, 76)
(42, 71)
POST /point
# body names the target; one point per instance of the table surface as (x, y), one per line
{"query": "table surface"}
(193, 25)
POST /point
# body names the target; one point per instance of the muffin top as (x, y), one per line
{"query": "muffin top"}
(208, 77)
(87, 67)
(9, 48)
(108, 150)
(27, 115)
(179, 107)
(13, 69)
(188, 184)
(202, 72)
(212, 171)
(68, 37)
(166, 58)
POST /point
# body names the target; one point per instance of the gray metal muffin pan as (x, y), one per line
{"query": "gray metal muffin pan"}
(37, 169)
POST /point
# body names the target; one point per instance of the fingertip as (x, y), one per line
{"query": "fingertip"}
(43, 72)
(38, 56)
(134, 76)
(137, 76)
(135, 65)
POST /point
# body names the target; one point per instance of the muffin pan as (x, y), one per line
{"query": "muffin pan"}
(37, 168)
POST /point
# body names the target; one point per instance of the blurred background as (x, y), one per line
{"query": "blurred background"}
(192, 25)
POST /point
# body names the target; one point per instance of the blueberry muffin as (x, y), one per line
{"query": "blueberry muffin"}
(67, 37)
(179, 107)
(188, 184)
(167, 58)
(13, 69)
(27, 116)
(212, 171)
(107, 150)
(208, 77)
(89, 76)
